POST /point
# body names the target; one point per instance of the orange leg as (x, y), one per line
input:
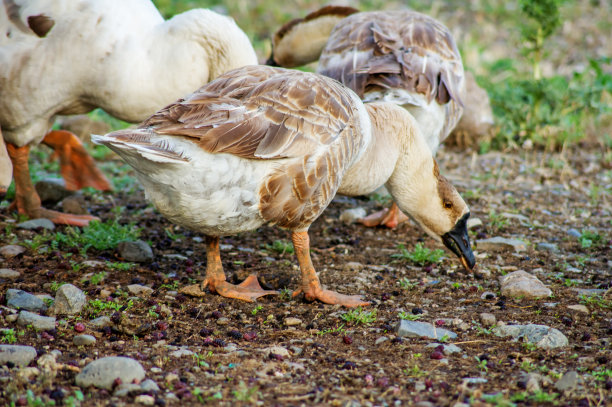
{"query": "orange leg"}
(27, 201)
(311, 287)
(387, 217)
(76, 165)
(249, 290)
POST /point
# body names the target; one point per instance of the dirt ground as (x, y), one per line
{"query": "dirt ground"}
(324, 359)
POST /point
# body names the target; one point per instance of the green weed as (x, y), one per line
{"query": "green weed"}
(358, 316)
(280, 247)
(420, 255)
(409, 316)
(97, 235)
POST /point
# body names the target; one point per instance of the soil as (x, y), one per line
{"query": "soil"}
(332, 361)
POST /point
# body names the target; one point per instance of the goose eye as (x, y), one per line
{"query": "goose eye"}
(448, 205)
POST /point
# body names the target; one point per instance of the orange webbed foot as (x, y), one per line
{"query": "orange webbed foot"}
(333, 298)
(249, 290)
(60, 218)
(388, 217)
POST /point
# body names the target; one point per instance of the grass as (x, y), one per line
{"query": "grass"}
(419, 255)
(280, 247)
(408, 316)
(589, 238)
(97, 235)
(358, 316)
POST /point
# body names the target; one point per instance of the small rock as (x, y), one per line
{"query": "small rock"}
(522, 219)
(103, 372)
(19, 355)
(125, 389)
(19, 299)
(84, 340)
(69, 300)
(193, 290)
(139, 290)
(149, 386)
(145, 399)
(353, 267)
(448, 348)
(589, 291)
(488, 295)
(38, 322)
(521, 283)
(574, 233)
(423, 329)
(291, 321)
(474, 380)
(275, 350)
(542, 336)
(101, 322)
(11, 250)
(74, 204)
(500, 244)
(9, 274)
(352, 215)
(28, 373)
(171, 377)
(52, 190)
(181, 352)
(487, 319)
(11, 317)
(223, 321)
(138, 251)
(579, 308)
(550, 247)
(474, 223)
(568, 381)
(381, 340)
(35, 224)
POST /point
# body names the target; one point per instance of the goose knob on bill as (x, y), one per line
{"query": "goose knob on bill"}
(262, 145)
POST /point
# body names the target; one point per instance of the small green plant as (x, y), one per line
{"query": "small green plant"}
(414, 371)
(98, 306)
(595, 301)
(97, 235)
(285, 294)
(541, 396)
(589, 238)
(337, 329)
(409, 316)
(255, 310)
(528, 366)
(38, 241)
(8, 336)
(482, 364)
(407, 284)
(245, 393)
(497, 221)
(174, 236)
(444, 338)
(497, 400)
(281, 247)
(173, 286)
(602, 374)
(542, 19)
(383, 199)
(359, 316)
(54, 285)
(119, 265)
(420, 255)
(97, 278)
(200, 359)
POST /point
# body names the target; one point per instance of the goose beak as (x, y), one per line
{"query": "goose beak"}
(458, 242)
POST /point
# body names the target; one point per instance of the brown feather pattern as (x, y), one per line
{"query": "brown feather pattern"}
(306, 121)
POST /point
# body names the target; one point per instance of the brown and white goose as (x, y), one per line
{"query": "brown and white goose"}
(399, 56)
(60, 57)
(262, 145)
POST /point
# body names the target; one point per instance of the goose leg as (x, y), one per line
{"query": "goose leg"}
(27, 201)
(76, 165)
(249, 290)
(389, 217)
(311, 287)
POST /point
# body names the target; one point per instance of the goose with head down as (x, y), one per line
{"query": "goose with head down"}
(262, 145)
(398, 56)
(60, 57)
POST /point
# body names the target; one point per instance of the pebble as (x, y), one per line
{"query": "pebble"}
(52, 190)
(149, 386)
(38, 322)
(488, 295)
(487, 319)
(19, 355)
(145, 399)
(34, 224)
(28, 373)
(223, 321)
(589, 291)
(138, 251)
(350, 216)
(9, 274)
(474, 380)
(11, 317)
(74, 204)
(181, 352)
(542, 336)
(422, 329)
(69, 300)
(102, 372)
(125, 389)
(532, 382)
(448, 348)
(84, 340)
(19, 299)
(474, 223)
(381, 340)
(500, 244)
(291, 321)
(139, 290)
(171, 377)
(520, 283)
(568, 381)
(574, 233)
(101, 322)
(11, 250)
(550, 247)
(276, 350)
(579, 308)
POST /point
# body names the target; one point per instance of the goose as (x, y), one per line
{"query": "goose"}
(62, 57)
(398, 56)
(264, 145)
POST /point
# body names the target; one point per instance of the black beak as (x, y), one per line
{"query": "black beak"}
(271, 61)
(458, 242)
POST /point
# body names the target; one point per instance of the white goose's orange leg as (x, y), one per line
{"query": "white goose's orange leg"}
(389, 217)
(310, 285)
(76, 165)
(249, 290)
(27, 201)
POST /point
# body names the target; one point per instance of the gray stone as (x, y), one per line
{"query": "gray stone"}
(138, 251)
(9, 274)
(181, 352)
(223, 321)
(487, 319)
(353, 267)
(292, 321)
(11, 250)
(473, 223)
(522, 219)
(448, 349)
(276, 350)
(149, 386)
(520, 283)
(19, 299)
(542, 336)
(574, 233)
(550, 247)
(34, 224)
(501, 244)
(69, 300)
(488, 294)
(579, 308)
(140, 290)
(84, 340)
(568, 381)
(590, 291)
(101, 322)
(532, 382)
(145, 400)
(102, 372)
(474, 380)
(38, 322)
(125, 389)
(52, 190)
(422, 329)
(352, 215)
(18, 355)
(381, 340)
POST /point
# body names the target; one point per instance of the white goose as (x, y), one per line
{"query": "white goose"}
(398, 56)
(268, 145)
(70, 56)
